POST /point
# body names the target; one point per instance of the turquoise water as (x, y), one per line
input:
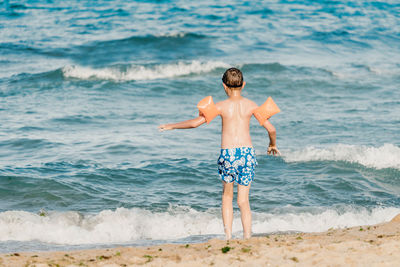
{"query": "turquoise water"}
(84, 86)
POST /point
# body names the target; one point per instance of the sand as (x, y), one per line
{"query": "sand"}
(376, 245)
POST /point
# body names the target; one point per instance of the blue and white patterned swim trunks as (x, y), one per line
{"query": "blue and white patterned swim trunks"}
(237, 164)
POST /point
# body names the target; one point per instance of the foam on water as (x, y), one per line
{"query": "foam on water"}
(130, 225)
(138, 72)
(322, 220)
(386, 156)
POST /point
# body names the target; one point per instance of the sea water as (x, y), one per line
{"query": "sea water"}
(84, 85)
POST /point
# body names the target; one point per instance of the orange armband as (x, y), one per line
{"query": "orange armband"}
(208, 109)
(266, 111)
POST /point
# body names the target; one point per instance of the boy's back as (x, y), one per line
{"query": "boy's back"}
(236, 112)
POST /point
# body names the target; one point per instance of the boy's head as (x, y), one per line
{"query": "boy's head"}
(233, 79)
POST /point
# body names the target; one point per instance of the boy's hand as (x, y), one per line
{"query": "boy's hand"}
(164, 127)
(273, 150)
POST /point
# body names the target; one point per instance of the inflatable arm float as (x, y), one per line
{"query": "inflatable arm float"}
(208, 109)
(266, 111)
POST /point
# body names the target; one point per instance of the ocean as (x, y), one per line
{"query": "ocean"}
(84, 85)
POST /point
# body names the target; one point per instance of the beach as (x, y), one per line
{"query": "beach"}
(84, 86)
(374, 245)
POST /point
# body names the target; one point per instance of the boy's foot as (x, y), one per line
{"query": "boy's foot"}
(246, 236)
(228, 236)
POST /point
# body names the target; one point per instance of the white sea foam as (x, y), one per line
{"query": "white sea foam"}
(138, 72)
(386, 156)
(172, 34)
(130, 225)
(322, 221)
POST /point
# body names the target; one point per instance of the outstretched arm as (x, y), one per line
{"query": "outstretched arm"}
(272, 138)
(193, 123)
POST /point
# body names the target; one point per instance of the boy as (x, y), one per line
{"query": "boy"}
(237, 160)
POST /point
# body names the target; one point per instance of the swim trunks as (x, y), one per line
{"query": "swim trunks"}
(237, 164)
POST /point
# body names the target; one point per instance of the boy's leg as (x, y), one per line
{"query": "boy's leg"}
(244, 205)
(227, 209)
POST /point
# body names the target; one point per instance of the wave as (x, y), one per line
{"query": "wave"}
(386, 156)
(148, 39)
(26, 143)
(139, 72)
(130, 225)
(145, 48)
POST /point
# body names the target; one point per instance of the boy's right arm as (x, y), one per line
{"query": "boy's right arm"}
(272, 138)
(193, 123)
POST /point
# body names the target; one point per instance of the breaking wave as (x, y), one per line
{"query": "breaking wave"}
(139, 72)
(130, 225)
(386, 156)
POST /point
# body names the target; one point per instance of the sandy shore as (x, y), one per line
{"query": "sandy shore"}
(377, 245)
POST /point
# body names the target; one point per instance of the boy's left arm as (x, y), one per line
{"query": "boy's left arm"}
(272, 138)
(272, 149)
(193, 123)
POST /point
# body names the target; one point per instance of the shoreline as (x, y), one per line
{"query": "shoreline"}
(374, 245)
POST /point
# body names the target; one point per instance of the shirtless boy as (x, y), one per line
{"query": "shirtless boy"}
(237, 160)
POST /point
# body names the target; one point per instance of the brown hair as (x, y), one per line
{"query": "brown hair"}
(233, 78)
